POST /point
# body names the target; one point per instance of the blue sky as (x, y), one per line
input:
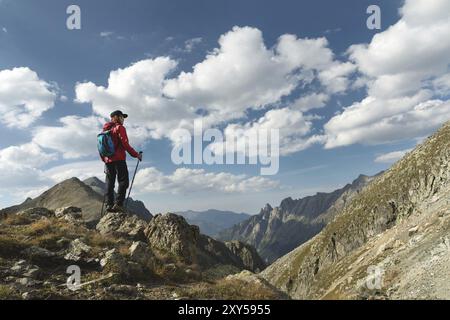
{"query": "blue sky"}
(398, 92)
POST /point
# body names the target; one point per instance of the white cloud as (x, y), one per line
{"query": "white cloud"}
(76, 137)
(391, 157)
(23, 97)
(294, 128)
(138, 90)
(234, 77)
(82, 170)
(29, 154)
(310, 101)
(405, 70)
(418, 120)
(190, 44)
(106, 34)
(187, 181)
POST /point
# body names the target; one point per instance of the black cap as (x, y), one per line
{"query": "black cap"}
(119, 113)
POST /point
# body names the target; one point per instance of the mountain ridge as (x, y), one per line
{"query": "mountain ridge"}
(399, 222)
(276, 231)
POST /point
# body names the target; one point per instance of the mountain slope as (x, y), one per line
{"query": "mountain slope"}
(212, 221)
(398, 223)
(276, 231)
(123, 257)
(71, 192)
(135, 206)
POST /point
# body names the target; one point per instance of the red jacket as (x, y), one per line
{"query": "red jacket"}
(120, 140)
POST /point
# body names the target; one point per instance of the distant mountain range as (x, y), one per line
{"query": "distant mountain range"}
(276, 231)
(212, 221)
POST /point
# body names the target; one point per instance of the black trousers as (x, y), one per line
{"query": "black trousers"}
(117, 169)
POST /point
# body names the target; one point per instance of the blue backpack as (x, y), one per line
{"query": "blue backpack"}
(105, 144)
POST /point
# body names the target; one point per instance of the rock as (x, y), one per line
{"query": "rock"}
(115, 263)
(39, 255)
(122, 225)
(122, 289)
(247, 254)
(19, 267)
(170, 233)
(27, 282)
(140, 253)
(36, 213)
(72, 211)
(63, 242)
(32, 295)
(413, 230)
(78, 251)
(32, 272)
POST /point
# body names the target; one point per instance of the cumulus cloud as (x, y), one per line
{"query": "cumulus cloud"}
(185, 181)
(76, 137)
(293, 129)
(24, 97)
(234, 77)
(230, 81)
(82, 170)
(405, 70)
(29, 154)
(190, 44)
(391, 157)
(138, 90)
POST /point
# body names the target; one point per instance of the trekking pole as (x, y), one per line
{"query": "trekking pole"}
(132, 181)
(104, 195)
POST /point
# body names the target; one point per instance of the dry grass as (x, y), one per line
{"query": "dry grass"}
(229, 290)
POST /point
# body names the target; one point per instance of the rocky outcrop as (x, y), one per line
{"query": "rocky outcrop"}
(248, 255)
(171, 234)
(276, 231)
(372, 227)
(122, 225)
(211, 222)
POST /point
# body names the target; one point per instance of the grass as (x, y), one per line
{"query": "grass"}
(228, 290)
(7, 293)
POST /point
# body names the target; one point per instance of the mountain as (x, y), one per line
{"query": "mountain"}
(135, 206)
(73, 192)
(391, 241)
(212, 221)
(276, 231)
(123, 257)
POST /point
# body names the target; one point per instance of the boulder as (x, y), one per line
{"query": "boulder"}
(39, 255)
(73, 211)
(171, 234)
(78, 251)
(122, 225)
(123, 270)
(140, 253)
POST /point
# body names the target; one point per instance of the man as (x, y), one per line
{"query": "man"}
(116, 166)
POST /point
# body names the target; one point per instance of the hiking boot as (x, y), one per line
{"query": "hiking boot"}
(118, 208)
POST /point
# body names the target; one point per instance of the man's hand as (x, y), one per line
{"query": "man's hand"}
(140, 156)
